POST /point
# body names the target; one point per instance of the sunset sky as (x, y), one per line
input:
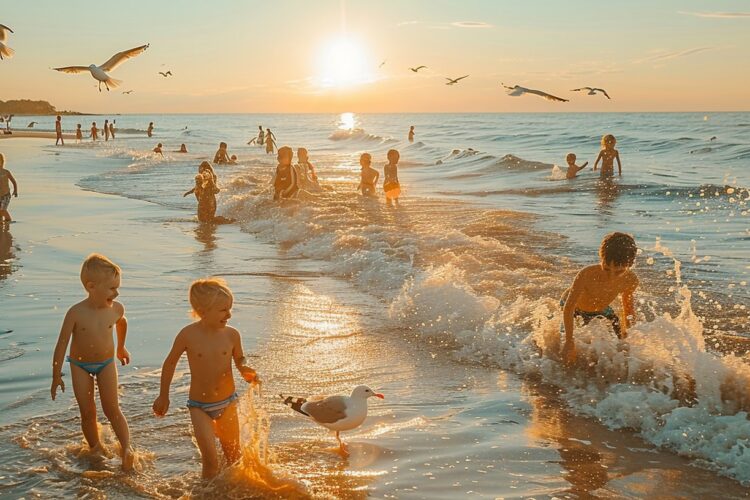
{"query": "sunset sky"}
(231, 56)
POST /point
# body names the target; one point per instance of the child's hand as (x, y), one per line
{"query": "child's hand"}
(569, 354)
(250, 376)
(57, 381)
(123, 355)
(161, 405)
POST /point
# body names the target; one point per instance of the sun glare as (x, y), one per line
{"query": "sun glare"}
(343, 63)
(346, 121)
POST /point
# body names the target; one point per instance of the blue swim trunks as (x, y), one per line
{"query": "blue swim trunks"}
(606, 313)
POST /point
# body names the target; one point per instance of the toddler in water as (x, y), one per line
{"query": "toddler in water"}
(94, 132)
(369, 176)
(6, 179)
(596, 286)
(391, 185)
(205, 191)
(608, 155)
(285, 182)
(92, 351)
(79, 134)
(211, 346)
(157, 149)
(573, 169)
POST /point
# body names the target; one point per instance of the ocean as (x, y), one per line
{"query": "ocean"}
(449, 300)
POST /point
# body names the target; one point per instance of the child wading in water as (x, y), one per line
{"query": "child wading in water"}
(6, 179)
(89, 323)
(608, 155)
(211, 347)
(285, 184)
(205, 191)
(573, 169)
(391, 185)
(596, 286)
(369, 176)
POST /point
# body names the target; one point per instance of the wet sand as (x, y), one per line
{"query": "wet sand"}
(445, 429)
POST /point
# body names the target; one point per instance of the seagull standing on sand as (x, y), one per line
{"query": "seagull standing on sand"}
(453, 81)
(5, 51)
(592, 91)
(337, 413)
(100, 72)
(517, 90)
(418, 68)
(165, 75)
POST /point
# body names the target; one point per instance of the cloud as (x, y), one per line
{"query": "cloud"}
(668, 55)
(719, 15)
(408, 23)
(471, 24)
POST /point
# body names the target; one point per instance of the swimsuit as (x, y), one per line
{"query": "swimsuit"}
(91, 367)
(606, 313)
(283, 182)
(213, 410)
(4, 201)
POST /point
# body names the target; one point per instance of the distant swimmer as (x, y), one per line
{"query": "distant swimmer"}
(453, 81)
(100, 72)
(517, 90)
(573, 169)
(592, 91)
(5, 51)
(712, 138)
(270, 141)
(257, 140)
(31, 125)
(418, 68)
(157, 149)
(183, 149)
(128, 92)
(411, 134)
(94, 132)
(608, 155)
(368, 176)
(150, 129)
(165, 75)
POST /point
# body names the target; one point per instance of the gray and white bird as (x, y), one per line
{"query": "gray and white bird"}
(5, 51)
(453, 81)
(517, 90)
(592, 91)
(337, 413)
(100, 72)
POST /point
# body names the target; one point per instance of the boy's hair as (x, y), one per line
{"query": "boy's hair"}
(366, 155)
(392, 153)
(205, 292)
(618, 249)
(608, 139)
(285, 151)
(570, 157)
(79, 125)
(97, 267)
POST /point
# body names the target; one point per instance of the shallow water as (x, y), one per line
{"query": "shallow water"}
(425, 303)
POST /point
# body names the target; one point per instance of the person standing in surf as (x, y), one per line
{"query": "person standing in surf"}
(411, 134)
(607, 156)
(58, 131)
(368, 176)
(285, 182)
(391, 185)
(270, 141)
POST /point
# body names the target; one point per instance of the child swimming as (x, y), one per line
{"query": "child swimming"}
(211, 346)
(573, 169)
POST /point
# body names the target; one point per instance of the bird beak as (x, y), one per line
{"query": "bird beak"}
(378, 395)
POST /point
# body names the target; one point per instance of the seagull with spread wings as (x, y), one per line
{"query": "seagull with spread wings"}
(5, 51)
(517, 90)
(417, 68)
(100, 72)
(165, 75)
(592, 91)
(453, 81)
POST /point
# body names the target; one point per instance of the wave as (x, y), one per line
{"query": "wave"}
(130, 131)
(357, 134)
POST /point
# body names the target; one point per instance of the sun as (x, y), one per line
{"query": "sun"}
(343, 63)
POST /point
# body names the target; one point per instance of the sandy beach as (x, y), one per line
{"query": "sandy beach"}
(445, 430)
(35, 134)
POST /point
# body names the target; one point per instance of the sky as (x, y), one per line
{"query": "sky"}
(302, 56)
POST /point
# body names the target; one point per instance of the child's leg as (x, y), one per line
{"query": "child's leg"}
(107, 382)
(203, 428)
(83, 388)
(228, 432)
(5, 215)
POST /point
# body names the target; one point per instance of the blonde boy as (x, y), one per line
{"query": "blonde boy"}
(92, 351)
(211, 346)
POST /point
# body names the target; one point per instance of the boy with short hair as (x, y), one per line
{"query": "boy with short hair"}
(211, 346)
(596, 286)
(92, 351)
(573, 169)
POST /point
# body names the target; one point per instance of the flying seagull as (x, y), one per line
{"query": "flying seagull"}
(593, 91)
(100, 72)
(168, 73)
(337, 413)
(31, 125)
(452, 81)
(128, 92)
(417, 68)
(516, 91)
(382, 64)
(5, 51)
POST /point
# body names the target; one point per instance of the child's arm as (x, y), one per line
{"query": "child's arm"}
(596, 163)
(189, 192)
(58, 357)
(582, 166)
(569, 350)
(619, 165)
(161, 405)
(240, 361)
(377, 176)
(122, 331)
(13, 181)
(293, 183)
(628, 306)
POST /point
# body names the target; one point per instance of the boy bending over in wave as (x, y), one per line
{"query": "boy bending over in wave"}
(596, 286)
(211, 346)
(92, 351)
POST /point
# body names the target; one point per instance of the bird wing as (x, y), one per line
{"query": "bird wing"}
(578, 90)
(73, 69)
(328, 410)
(515, 91)
(547, 96)
(121, 57)
(604, 92)
(462, 77)
(4, 32)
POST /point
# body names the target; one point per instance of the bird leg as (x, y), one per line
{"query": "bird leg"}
(105, 84)
(100, 86)
(342, 445)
